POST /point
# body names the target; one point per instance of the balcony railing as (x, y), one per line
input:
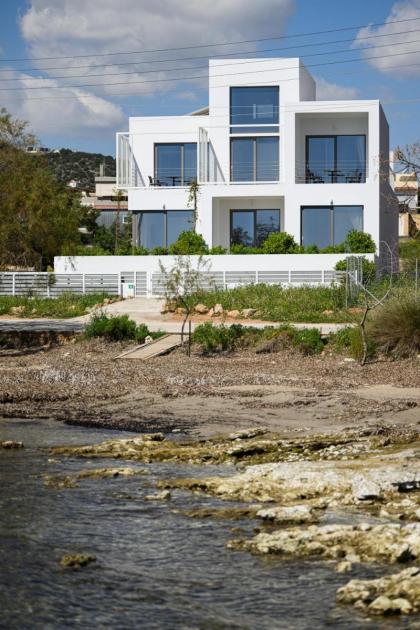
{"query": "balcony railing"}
(321, 173)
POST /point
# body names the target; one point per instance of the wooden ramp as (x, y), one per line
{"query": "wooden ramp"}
(152, 349)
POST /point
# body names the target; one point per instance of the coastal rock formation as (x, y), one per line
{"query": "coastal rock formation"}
(398, 593)
(8, 444)
(388, 543)
(77, 560)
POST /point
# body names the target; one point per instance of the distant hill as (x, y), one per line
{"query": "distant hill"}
(79, 165)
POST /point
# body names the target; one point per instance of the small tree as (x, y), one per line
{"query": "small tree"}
(182, 281)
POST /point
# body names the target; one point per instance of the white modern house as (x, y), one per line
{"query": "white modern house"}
(267, 156)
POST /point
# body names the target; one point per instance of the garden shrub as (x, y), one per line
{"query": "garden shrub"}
(368, 268)
(280, 243)
(395, 326)
(218, 250)
(118, 328)
(243, 249)
(359, 242)
(308, 341)
(213, 338)
(189, 243)
(159, 251)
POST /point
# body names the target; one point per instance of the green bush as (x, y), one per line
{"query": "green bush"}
(368, 268)
(358, 242)
(280, 243)
(159, 251)
(308, 341)
(213, 338)
(139, 250)
(218, 250)
(349, 340)
(118, 328)
(395, 326)
(189, 243)
(243, 249)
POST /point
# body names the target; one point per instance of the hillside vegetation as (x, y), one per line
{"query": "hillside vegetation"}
(79, 165)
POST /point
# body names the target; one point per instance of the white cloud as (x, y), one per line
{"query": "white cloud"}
(326, 91)
(70, 111)
(402, 45)
(57, 28)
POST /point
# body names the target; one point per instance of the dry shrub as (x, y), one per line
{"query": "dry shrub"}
(395, 327)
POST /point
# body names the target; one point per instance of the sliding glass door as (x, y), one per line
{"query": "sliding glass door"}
(252, 227)
(336, 159)
(329, 225)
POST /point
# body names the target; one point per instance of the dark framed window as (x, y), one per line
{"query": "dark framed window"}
(329, 225)
(175, 164)
(336, 159)
(254, 159)
(252, 227)
(254, 105)
(162, 228)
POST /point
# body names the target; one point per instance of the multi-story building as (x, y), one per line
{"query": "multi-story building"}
(267, 157)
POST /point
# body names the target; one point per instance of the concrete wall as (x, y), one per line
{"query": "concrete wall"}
(240, 263)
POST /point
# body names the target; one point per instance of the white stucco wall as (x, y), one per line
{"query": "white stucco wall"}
(300, 115)
(255, 262)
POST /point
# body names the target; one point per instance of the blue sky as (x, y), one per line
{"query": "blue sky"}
(87, 117)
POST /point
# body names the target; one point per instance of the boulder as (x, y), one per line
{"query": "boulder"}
(218, 310)
(11, 444)
(234, 314)
(248, 312)
(180, 311)
(201, 309)
(17, 310)
(246, 434)
(289, 514)
(77, 560)
(163, 495)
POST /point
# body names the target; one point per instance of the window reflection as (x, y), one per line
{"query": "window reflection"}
(254, 105)
(255, 159)
(175, 164)
(336, 159)
(326, 226)
(251, 227)
(161, 229)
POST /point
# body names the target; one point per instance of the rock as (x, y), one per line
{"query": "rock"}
(364, 489)
(217, 310)
(398, 593)
(344, 566)
(235, 314)
(163, 495)
(70, 481)
(201, 309)
(328, 312)
(17, 310)
(245, 434)
(9, 444)
(77, 560)
(211, 313)
(383, 543)
(247, 313)
(292, 514)
(148, 339)
(180, 311)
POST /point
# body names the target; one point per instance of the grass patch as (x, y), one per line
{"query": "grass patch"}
(395, 326)
(349, 341)
(215, 339)
(118, 328)
(64, 306)
(275, 303)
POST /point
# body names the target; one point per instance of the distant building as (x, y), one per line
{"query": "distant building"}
(105, 200)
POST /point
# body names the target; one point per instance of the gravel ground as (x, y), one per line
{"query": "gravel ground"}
(82, 383)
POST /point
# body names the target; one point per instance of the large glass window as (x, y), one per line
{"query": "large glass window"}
(254, 106)
(252, 227)
(254, 159)
(175, 164)
(161, 229)
(329, 225)
(336, 159)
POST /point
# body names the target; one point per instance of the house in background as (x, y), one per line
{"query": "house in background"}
(406, 189)
(267, 156)
(106, 200)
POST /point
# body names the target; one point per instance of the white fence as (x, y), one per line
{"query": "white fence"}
(148, 283)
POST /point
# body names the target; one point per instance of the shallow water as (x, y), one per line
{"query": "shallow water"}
(155, 569)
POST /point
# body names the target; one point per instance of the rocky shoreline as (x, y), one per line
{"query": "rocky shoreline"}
(81, 383)
(351, 499)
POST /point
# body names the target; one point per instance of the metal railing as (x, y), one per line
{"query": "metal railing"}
(148, 283)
